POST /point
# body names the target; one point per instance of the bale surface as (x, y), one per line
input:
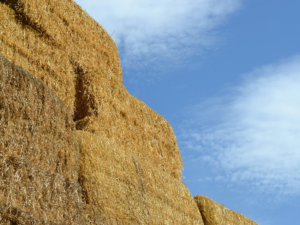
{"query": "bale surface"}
(213, 213)
(139, 130)
(39, 153)
(62, 45)
(120, 188)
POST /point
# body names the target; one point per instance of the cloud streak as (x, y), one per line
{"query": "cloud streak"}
(255, 138)
(148, 31)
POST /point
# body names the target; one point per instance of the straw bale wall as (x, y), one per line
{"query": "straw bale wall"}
(71, 53)
(39, 153)
(120, 188)
(121, 166)
(213, 213)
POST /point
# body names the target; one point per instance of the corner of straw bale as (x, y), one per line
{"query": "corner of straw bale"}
(214, 213)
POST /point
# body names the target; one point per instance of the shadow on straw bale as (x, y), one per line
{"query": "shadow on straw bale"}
(123, 189)
(70, 52)
(4, 221)
(214, 213)
(39, 153)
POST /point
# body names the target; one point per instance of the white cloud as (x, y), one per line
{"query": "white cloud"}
(155, 30)
(256, 138)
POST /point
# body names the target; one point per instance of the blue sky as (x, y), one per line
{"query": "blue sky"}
(226, 75)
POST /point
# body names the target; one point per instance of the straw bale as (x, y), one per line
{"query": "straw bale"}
(39, 153)
(213, 213)
(62, 45)
(137, 129)
(120, 188)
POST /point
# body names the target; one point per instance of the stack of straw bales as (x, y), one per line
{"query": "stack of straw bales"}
(39, 153)
(134, 177)
(120, 188)
(62, 45)
(214, 213)
(122, 166)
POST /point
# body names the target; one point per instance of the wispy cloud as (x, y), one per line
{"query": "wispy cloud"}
(148, 31)
(254, 134)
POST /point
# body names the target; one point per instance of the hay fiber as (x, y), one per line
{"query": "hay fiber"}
(39, 153)
(213, 213)
(59, 43)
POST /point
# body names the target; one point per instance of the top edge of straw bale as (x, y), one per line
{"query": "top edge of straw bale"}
(215, 213)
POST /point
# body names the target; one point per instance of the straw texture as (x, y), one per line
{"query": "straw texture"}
(39, 153)
(72, 54)
(120, 188)
(214, 213)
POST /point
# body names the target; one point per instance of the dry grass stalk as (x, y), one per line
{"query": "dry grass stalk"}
(214, 213)
(120, 188)
(39, 153)
(70, 52)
